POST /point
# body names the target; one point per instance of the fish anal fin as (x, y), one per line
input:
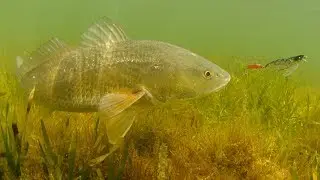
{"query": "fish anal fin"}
(118, 126)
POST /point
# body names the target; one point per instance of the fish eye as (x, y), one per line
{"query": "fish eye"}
(299, 57)
(207, 74)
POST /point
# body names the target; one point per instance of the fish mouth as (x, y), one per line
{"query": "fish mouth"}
(224, 82)
(305, 58)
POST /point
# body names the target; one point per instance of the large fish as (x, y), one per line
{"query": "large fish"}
(109, 73)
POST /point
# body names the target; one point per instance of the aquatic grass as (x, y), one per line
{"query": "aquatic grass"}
(52, 161)
(15, 146)
(261, 126)
(72, 158)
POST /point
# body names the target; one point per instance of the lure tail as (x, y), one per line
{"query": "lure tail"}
(255, 66)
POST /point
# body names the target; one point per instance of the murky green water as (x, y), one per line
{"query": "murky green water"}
(256, 127)
(268, 28)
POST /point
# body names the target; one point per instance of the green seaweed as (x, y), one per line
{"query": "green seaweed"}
(261, 126)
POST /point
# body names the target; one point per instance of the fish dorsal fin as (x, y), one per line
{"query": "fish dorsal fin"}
(103, 33)
(46, 51)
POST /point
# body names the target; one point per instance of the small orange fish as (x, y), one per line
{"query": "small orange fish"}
(255, 66)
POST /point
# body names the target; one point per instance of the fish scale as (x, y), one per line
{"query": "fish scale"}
(87, 84)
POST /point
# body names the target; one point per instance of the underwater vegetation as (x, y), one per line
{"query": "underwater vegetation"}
(260, 126)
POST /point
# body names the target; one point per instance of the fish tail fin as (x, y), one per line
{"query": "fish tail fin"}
(255, 66)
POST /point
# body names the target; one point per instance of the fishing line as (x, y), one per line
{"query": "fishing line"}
(117, 9)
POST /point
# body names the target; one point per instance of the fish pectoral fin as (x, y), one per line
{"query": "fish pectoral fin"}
(114, 109)
(290, 70)
(114, 103)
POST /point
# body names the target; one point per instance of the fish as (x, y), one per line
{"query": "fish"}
(109, 73)
(285, 65)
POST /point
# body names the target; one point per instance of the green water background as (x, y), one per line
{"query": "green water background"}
(269, 28)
